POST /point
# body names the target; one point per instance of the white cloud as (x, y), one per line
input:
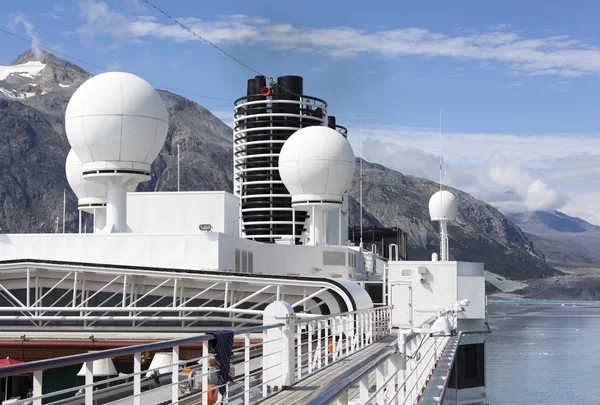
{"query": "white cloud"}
(113, 66)
(18, 20)
(559, 55)
(545, 172)
(51, 15)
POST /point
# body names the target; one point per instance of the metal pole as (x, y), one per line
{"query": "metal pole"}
(178, 178)
(79, 221)
(64, 207)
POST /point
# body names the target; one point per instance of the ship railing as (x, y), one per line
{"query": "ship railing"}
(292, 347)
(400, 373)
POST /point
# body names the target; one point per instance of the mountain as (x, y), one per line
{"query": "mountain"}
(481, 233)
(33, 148)
(565, 241)
(35, 89)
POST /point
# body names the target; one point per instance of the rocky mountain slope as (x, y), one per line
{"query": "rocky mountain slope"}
(33, 148)
(565, 241)
(481, 233)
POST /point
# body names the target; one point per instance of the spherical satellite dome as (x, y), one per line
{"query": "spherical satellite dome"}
(116, 117)
(443, 205)
(88, 192)
(316, 164)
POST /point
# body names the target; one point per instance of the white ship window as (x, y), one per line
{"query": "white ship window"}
(250, 262)
(238, 260)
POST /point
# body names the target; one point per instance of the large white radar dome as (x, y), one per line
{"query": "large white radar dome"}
(443, 206)
(88, 192)
(316, 165)
(116, 117)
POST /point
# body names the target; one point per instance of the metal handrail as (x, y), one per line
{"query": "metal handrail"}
(121, 351)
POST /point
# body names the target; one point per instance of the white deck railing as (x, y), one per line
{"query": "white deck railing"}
(289, 351)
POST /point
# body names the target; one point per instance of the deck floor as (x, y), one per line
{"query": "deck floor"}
(313, 386)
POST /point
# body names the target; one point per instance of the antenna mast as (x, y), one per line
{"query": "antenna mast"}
(361, 185)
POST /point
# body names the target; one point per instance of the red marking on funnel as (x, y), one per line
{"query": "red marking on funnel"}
(265, 91)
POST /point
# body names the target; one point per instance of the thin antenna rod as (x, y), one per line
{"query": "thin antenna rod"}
(64, 207)
(178, 182)
(441, 150)
(361, 185)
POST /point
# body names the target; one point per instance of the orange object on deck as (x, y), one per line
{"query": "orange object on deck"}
(213, 394)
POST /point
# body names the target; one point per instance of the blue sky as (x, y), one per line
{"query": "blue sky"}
(517, 80)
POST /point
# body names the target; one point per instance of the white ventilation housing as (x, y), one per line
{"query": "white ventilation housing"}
(316, 165)
(443, 206)
(117, 124)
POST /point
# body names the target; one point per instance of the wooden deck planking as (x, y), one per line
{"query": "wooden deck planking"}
(310, 387)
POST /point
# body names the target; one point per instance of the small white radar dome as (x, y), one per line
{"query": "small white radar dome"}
(443, 206)
(316, 165)
(116, 117)
(89, 193)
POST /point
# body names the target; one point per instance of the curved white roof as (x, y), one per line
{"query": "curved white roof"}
(316, 164)
(116, 116)
(443, 205)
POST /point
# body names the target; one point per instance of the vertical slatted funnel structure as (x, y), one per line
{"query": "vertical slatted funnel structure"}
(263, 121)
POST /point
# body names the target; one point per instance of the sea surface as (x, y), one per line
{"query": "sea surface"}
(545, 353)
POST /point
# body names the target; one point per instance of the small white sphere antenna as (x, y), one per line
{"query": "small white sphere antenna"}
(116, 124)
(443, 207)
(316, 165)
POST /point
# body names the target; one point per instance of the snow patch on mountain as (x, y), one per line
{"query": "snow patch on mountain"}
(29, 70)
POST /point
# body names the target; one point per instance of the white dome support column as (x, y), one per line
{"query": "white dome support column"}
(444, 240)
(116, 208)
(317, 225)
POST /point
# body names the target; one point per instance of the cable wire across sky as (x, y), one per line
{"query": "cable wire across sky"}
(50, 49)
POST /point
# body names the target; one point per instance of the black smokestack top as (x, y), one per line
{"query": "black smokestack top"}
(331, 122)
(292, 86)
(259, 83)
(251, 87)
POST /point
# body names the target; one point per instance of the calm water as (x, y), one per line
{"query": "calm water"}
(543, 354)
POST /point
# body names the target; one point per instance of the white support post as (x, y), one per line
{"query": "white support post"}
(326, 343)
(363, 388)
(137, 378)
(299, 350)
(319, 346)
(281, 340)
(37, 386)
(379, 379)
(310, 346)
(175, 376)
(205, 372)
(246, 368)
(342, 399)
(89, 380)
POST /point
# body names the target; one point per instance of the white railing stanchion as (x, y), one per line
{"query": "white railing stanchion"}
(205, 372)
(363, 388)
(175, 376)
(319, 346)
(327, 342)
(246, 368)
(89, 380)
(310, 346)
(37, 386)
(137, 378)
(379, 379)
(299, 349)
